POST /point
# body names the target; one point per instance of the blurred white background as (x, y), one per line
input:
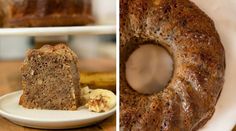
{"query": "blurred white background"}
(105, 11)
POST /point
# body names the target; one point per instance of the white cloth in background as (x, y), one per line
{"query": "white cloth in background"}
(223, 12)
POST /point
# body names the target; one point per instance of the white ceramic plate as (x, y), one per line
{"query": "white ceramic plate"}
(47, 119)
(54, 31)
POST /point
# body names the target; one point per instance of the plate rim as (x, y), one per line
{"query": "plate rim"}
(13, 117)
(59, 30)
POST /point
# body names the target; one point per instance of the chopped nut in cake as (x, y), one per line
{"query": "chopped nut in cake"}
(50, 79)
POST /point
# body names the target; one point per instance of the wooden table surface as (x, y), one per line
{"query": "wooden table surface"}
(10, 81)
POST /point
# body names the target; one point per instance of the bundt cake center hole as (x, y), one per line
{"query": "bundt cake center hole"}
(149, 69)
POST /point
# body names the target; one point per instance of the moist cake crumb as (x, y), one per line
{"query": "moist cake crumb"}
(50, 79)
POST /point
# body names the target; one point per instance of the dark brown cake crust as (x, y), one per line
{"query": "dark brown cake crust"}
(1, 17)
(189, 35)
(39, 13)
(50, 79)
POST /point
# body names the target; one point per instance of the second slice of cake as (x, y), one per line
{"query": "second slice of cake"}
(50, 79)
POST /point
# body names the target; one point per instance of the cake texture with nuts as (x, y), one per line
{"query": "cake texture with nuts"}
(50, 79)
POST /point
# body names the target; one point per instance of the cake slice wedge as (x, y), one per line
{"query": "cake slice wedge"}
(50, 79)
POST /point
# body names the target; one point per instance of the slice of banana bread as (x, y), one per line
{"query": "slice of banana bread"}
(50, 79)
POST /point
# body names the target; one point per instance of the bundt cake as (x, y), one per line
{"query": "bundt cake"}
(36, 13)
(50, 79)
(189, 35)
